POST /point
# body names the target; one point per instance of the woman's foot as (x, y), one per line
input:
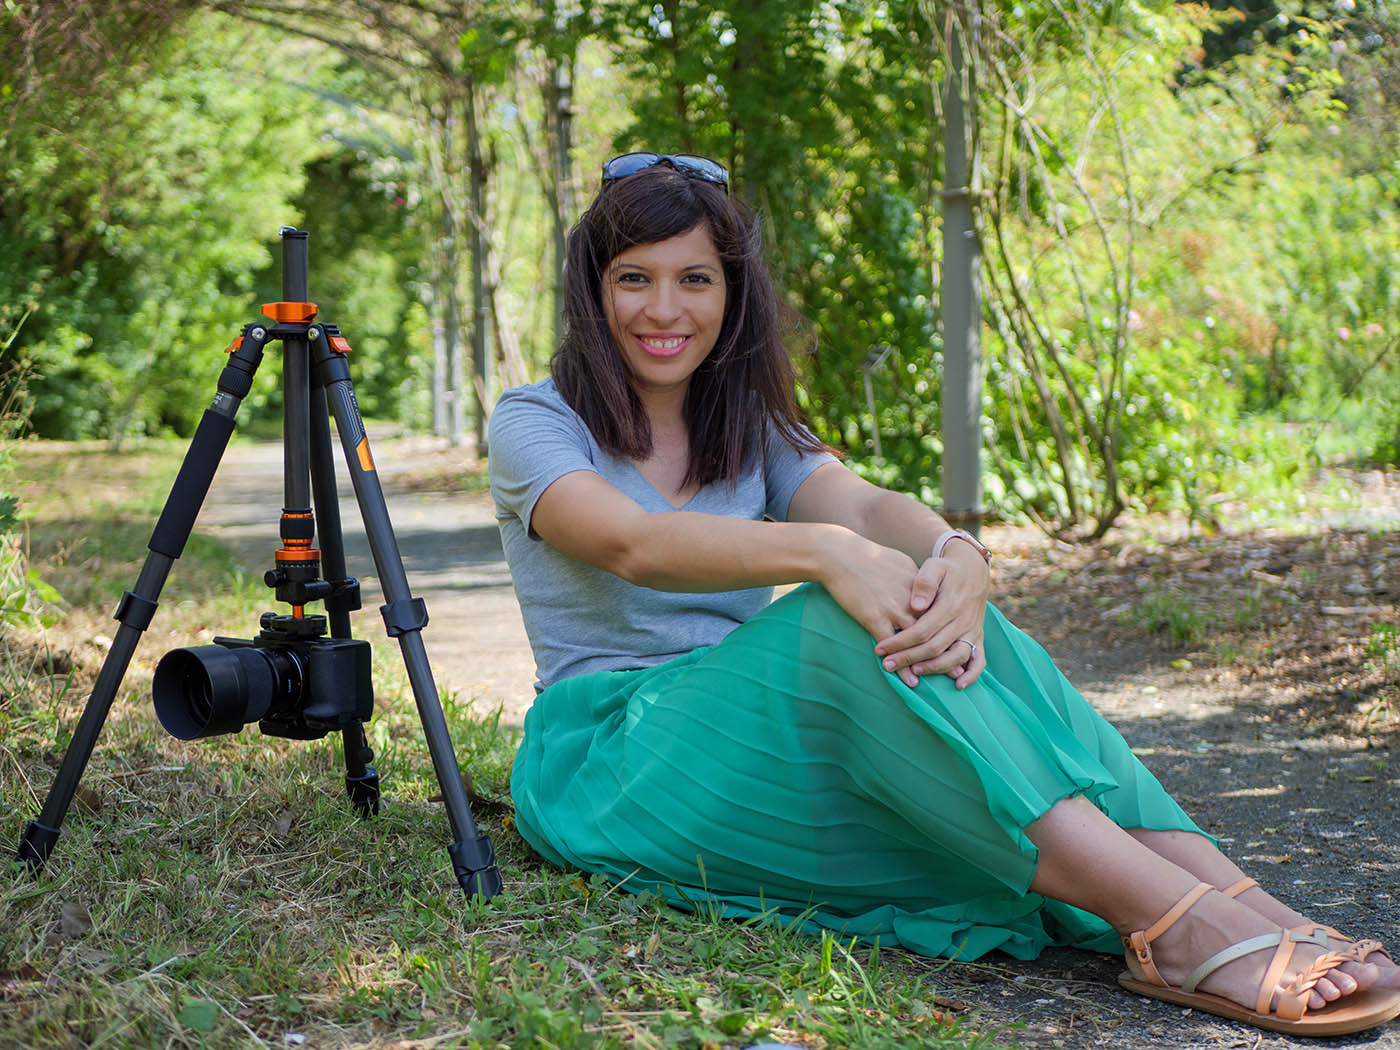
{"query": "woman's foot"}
(1198, 855)
(1250, 893)
(1215, 922)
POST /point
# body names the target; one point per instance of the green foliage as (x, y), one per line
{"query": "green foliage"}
(146, 237)
(138, 231)
(365, 257)
(1153, 295)
(1189, 226)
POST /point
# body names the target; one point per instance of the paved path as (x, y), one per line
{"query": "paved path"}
(451, 551)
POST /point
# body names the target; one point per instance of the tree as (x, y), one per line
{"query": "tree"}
(440, 61)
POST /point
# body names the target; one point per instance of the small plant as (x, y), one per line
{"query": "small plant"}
(1165, 611)
(1383, 651)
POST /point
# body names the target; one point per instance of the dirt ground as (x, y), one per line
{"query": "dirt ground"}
(1273, 716)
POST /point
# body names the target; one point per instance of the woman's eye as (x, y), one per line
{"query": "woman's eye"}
(698, 278)
(630, 278)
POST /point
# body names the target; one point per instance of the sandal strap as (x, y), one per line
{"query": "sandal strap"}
(1269, 987)
(1177, 910)
(1293, 997)
(1236, 888)
(1140, 941)
(1229, 955)
(1311, 934)
(1355, 951)
(1360, 951)
(1288, 1001)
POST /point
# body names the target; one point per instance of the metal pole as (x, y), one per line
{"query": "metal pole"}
(960, 295)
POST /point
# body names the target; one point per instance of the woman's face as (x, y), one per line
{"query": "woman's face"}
(664, 303)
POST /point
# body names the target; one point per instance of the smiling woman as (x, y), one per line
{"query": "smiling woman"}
(664, 303)
(879, 751)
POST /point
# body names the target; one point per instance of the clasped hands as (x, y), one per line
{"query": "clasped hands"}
(944, 631)
(926, 619)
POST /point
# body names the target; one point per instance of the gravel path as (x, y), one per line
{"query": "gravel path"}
(1315, 818)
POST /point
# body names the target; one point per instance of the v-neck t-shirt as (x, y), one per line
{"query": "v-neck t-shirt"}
(580, 618)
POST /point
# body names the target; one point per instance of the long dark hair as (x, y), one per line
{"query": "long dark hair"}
(747, 378)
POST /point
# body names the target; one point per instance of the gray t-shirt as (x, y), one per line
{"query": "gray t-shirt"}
(581, 618)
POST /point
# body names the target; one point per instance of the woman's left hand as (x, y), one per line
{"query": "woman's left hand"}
(949, 602)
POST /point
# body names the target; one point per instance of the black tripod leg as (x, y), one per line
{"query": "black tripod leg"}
(138, 606)
(473, 858)
(361, 779)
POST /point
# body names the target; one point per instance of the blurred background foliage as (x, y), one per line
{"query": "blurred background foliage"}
(1188, 212)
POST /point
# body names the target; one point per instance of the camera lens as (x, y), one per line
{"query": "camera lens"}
(211, 689)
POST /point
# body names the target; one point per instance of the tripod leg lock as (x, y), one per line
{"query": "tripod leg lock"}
(135, 611)
(474, 863)
(404, 615)
(37, 844)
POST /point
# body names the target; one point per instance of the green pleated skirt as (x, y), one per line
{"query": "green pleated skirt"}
(783, 772)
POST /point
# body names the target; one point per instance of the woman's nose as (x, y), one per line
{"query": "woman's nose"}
(662, 304)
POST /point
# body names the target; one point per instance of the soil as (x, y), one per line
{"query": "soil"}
(1253, 673)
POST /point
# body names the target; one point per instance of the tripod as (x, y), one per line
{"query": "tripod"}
(304, 685)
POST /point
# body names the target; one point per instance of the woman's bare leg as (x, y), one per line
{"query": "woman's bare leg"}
(1198, 855)
(1088, 861)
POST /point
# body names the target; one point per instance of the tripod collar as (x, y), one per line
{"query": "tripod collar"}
(290, 313)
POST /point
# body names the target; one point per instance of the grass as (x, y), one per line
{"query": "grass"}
(1176, 615)
(1383, 651)
(221, 894)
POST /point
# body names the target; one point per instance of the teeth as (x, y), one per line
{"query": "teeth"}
(666, 344)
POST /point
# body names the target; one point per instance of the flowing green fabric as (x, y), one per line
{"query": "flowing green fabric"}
(784, 772)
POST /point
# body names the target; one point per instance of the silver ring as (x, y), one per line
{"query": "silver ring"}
(972, 655)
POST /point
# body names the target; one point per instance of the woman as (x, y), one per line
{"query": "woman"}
(879, 751)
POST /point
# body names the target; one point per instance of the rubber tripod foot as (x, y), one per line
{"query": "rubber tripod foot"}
(364, 792)
(474, 862)
(36, 845)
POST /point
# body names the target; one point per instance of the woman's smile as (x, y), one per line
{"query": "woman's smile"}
(663, 345)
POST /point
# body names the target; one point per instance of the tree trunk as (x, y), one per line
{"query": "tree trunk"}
(559, 110)
(481, 308)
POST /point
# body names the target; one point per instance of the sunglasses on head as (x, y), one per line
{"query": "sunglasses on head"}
(689, 164)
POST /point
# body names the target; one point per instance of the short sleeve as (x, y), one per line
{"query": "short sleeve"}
(785, 469)
(534, 440)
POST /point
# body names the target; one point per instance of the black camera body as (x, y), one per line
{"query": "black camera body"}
(290, 679)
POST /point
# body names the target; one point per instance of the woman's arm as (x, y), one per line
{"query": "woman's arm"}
(948, 596)
(587, 518)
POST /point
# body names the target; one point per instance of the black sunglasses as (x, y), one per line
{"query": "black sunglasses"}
(690, 164)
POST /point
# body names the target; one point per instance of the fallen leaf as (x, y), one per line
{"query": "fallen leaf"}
(73, 920)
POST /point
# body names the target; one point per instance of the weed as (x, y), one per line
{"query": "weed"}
(1383, 650)
(1168, 611)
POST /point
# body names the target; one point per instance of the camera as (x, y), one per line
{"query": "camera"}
(290, 679)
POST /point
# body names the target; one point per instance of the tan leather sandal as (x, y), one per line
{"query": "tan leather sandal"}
(1280, 1007)
(1316, 933)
